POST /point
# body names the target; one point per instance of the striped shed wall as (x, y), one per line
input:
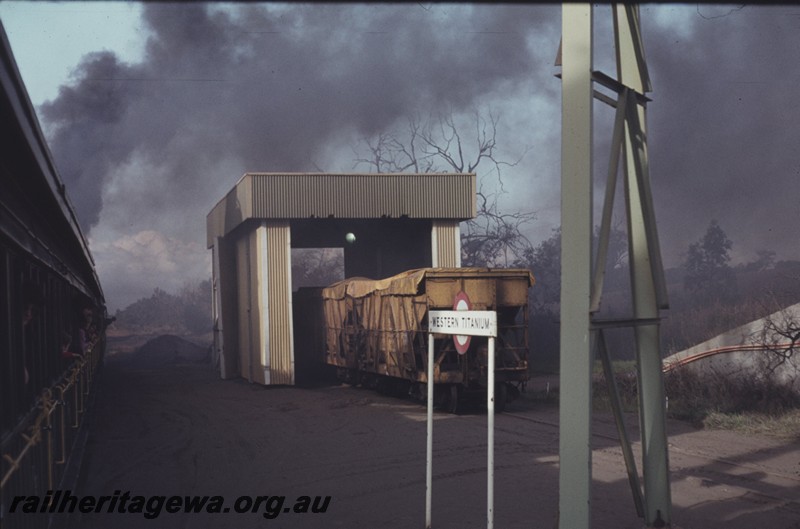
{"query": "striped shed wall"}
(402, 220)
(354, 196)
(249, 336)
(264, 307)
(276, 268)
(446, 244)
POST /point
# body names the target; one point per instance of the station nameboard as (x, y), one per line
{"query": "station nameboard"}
(467, 323)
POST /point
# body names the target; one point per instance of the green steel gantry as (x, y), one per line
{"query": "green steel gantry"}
(582, 287)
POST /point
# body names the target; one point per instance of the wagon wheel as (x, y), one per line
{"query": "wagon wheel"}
(500, 397)
(453, 401)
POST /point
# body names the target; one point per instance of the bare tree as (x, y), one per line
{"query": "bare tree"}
(316, 266)
(494, 236)
(390, 152)
(779, 337)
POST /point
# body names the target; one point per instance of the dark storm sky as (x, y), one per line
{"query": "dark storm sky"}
(147, 148)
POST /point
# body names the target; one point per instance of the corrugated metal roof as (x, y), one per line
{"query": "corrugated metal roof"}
(358, 196)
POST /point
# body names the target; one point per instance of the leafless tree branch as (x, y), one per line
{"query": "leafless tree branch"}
(779, 337)
(494, 237)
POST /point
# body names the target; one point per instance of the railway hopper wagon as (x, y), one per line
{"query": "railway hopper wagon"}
(376, 332)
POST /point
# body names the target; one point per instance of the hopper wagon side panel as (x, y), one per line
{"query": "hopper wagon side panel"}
(379, 328)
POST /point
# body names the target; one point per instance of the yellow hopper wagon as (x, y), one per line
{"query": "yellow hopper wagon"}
(376, 332)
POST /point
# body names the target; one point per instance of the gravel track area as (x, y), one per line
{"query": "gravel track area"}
(166, 425)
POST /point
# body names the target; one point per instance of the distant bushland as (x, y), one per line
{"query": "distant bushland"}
(186, 312)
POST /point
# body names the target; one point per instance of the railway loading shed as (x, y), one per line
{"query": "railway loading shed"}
(385, 223)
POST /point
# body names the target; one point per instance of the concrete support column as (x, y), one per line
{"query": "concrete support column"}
(263, 295)
(576, 243)
(445, 244)
(274, 287)
(218, 353)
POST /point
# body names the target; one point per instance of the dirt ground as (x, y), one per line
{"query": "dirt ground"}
(166, 424)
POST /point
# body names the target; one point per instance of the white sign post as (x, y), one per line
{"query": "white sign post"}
(463, 323)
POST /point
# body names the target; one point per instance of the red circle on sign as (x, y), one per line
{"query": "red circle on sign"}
(461, 302)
